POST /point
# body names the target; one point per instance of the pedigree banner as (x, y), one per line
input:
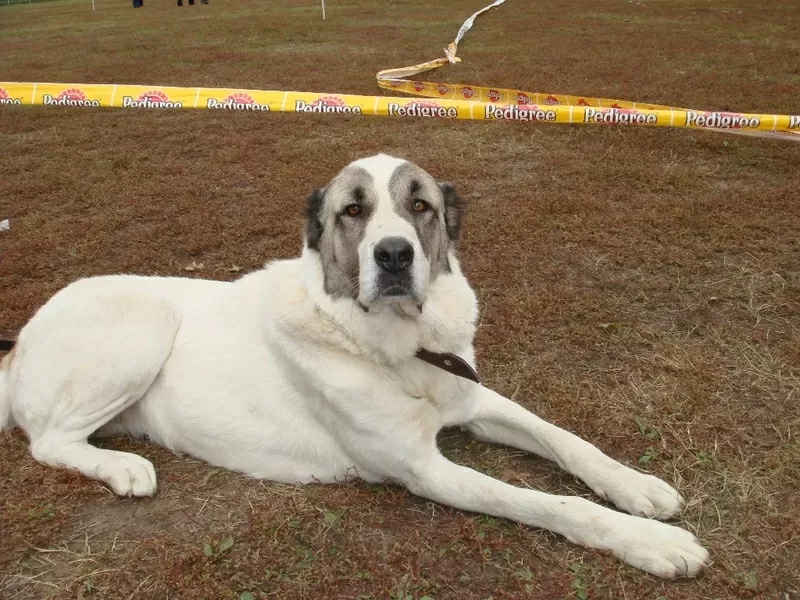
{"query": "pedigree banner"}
(588, 110)
(545, 107)
(437, 101)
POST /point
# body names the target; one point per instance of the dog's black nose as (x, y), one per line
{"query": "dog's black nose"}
(394, 254)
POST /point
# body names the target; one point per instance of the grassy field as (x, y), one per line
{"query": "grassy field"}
(639, 287)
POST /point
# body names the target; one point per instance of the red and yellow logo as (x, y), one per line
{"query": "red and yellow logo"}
(69, 97)
(237, 101)
(722, 120)
(423, 108)
(494, 95)
(617, 116)
(154, 96)
(71, 94)
(240, 98)
(151, 99)
(522, 99)
(327, 104)
(331, 101)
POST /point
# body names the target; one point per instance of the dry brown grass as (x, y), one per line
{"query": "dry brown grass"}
(639, 287)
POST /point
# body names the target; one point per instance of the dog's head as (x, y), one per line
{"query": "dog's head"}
(383, 228)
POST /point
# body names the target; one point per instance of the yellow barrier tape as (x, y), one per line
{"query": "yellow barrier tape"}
(443, 100)
(504, 106)
(590, 110)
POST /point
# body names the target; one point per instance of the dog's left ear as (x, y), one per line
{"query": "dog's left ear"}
(313, 223)
(454, 206)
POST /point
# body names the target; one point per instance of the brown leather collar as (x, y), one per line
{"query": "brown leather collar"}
(450, 363)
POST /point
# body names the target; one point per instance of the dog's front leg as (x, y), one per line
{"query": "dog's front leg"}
(503, 421)
(649, 545)
(393, 437)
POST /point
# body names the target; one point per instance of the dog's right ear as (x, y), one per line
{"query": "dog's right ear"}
(313, 221)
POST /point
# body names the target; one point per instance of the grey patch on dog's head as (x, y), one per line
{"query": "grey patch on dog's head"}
(433, 209)
(336, 234)
(438, 224)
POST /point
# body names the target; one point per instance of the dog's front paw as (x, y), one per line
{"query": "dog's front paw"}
(639, 494)
(658, 548)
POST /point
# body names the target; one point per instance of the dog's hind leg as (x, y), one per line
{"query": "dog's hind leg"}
(76, 369)
(125, 473)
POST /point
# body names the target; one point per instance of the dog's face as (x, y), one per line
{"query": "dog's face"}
(383, 228)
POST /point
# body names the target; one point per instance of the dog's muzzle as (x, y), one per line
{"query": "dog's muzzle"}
(394, 257)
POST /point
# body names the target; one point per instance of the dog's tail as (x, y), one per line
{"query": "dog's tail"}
(6, 422)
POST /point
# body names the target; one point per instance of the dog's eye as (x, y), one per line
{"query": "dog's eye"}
(420, 206)
(353, 210)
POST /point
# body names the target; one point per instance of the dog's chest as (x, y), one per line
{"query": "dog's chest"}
(452, 396)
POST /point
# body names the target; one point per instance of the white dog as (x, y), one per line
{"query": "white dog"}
(342, 363)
